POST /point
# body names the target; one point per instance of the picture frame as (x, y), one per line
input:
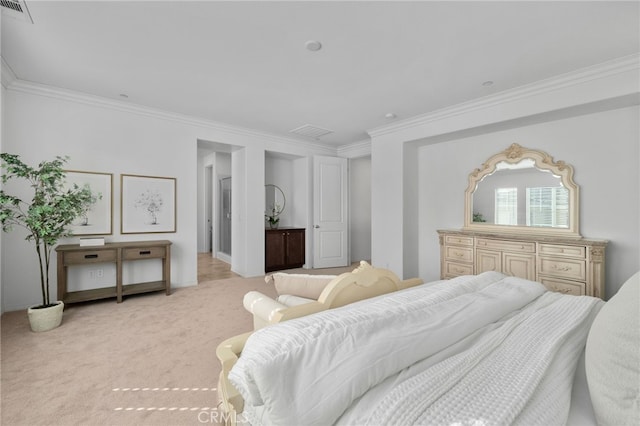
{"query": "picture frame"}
(147, 204)
(98, 220)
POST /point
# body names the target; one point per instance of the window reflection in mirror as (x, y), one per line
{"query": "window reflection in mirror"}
(520, 194)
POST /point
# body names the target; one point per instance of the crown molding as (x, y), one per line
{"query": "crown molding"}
(594, 72)
(101, 102)
(7, 74)
(355, 150)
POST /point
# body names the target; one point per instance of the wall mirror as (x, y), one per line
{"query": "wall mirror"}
(525, 191)
(274, 200)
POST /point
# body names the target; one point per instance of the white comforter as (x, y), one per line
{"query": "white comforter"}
(490, 349)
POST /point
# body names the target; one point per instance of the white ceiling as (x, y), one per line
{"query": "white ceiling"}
(245, 63)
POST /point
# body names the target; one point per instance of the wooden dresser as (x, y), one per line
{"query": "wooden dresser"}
(563, 264)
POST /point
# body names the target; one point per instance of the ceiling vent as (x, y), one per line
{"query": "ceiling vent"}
(16, 9)
(310, 131)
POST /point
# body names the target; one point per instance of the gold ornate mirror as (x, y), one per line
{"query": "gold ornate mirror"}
(522, 190)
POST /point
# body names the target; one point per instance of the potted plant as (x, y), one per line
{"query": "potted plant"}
(45, 217)
(273, 218)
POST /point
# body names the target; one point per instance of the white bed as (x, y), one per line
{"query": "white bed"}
(486, 349)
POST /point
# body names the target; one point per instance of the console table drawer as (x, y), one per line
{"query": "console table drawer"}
(517, 246)
(143, 253)
(559, 250)
(573, 269)
(97, 256)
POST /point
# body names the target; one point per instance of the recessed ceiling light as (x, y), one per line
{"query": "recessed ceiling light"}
(390, 116)
(313, 45)
(487, 83)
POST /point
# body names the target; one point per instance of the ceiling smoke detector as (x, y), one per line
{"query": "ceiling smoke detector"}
(313, 45)
(16, 9)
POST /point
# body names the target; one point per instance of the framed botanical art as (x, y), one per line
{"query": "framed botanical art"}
(97, 220)
(147, 204)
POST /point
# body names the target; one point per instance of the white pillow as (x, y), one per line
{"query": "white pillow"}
(303, 285)
(612, 358)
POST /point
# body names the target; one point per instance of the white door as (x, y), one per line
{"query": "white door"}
(331, 222)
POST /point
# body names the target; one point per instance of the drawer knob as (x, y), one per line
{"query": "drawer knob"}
(143, 252)
(563, 268)
(90, 256)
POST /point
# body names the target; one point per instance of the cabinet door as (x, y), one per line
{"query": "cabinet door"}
(295, 248)
(487, 260)
(519, 265)
(274, 250)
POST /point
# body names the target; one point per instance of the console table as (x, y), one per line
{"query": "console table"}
(118, 253)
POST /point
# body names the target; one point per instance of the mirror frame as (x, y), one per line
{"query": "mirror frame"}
(284, 199)
(514, 154)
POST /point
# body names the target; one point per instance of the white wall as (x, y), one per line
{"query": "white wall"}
(604, 87)
(2, 137)
(279, 172)
(360, 208)
(205, 159)
(602, 147)
(247, 211)
(101, 140)
(387, 205)
(116, 137)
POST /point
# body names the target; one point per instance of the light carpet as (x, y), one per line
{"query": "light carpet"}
(147, 361)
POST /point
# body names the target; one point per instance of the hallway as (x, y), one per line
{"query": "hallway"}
(211, 269)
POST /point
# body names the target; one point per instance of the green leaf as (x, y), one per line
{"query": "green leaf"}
(51, 209)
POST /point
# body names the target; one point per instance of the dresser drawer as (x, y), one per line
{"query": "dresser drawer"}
(459, 240)
(143, 253)
(566, 287)
(459, 254)
(569, 268)
(514, 246)
(560, 250)
(453, 269)
(97, 256)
